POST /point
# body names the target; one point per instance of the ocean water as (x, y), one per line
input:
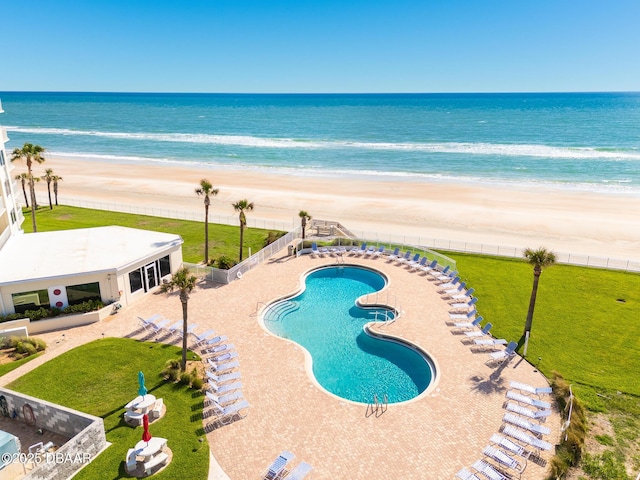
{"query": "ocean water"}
(580, 141)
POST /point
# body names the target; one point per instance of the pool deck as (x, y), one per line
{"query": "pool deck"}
(433, 436)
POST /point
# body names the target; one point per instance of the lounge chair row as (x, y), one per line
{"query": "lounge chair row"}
(157, 324)
(224, 394)
(279, 468)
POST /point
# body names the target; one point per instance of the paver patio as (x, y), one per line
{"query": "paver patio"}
(432, 436)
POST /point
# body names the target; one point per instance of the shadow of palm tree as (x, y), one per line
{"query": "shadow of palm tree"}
(494, 383)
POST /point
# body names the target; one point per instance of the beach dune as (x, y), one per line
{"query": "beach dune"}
(577, 222)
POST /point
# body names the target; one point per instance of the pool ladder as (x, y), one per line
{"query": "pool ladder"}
(377, 407)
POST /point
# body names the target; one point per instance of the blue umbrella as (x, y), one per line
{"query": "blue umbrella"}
(142, 391)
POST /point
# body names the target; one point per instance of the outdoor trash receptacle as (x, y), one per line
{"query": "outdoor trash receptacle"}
(291, 249)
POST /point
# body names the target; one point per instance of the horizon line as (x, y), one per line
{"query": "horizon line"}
(551, 92)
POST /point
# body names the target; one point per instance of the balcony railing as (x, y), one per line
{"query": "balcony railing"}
(3, 134)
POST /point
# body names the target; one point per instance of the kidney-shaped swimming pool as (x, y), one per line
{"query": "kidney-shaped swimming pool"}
(348, 362)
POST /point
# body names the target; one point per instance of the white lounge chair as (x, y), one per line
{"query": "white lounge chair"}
(369, 251)
(225, 357)
(468, 325)
(300, 471)
(437, 273)
(527, 412)
(479, 333)
(507, 444)
(279, 464)
(214, 341)
(465, 474)
(314, 250)
(414, 261)
(488, 343)
(203, 337)
(526, 438)
(379, 252)
(462, 296)
(523, 387)
(226, 388)
(223, 399)
(518, 397)
(148, 322)
(233, 410)
(394, 255)
(360, 251)
(488, 471)
(428, 268)
(220, 379)
(514, 419)
(503, 458)
(505, 354)
(464, 306)
(453, 288)
(445, 276)
(462, 316)
(221, 349)
(224, 368)
(405, 258)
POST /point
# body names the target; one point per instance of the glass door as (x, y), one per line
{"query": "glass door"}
(150, 276)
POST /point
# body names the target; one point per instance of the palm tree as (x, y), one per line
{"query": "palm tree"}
(540, 258)
(184, 282)
(304, 218)
(30, 153)
(207, 190)
(48, 176)
(242, 206)
(23, 179)
(56, 179)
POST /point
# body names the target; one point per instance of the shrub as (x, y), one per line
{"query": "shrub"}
(26, 348)
(185, 378)
(272, 237)
(569, 452)
(88, 306)
(225, 263)
(197, 383)
(171, 370)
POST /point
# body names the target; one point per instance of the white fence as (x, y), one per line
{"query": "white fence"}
(193, 215)
(496, 250)
(227, 276)
(374, 237)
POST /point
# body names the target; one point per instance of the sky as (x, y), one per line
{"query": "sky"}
(317, 46)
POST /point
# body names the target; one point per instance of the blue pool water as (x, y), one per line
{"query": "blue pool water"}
(325, 320)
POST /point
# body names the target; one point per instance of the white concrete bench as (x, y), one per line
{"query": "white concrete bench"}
(155, 461)
(131, 460)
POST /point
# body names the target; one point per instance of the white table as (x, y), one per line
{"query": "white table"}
(141, 403)
(150, 448)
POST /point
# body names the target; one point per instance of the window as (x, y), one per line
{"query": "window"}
(30, 300)
(164, 266)
(1, 157)
(135, 280)
(81, 293)
(14, 219)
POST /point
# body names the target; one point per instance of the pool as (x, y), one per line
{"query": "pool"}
(325, 319)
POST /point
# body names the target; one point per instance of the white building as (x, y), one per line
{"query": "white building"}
(10, 215)
(66, 267)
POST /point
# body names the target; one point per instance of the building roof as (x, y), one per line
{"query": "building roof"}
(38, 256)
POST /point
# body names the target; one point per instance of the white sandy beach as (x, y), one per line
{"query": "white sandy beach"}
(569, 222)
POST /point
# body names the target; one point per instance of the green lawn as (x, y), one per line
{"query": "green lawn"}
(579, 327)
(223, 239)
(7, 367)
(100, 377)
